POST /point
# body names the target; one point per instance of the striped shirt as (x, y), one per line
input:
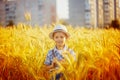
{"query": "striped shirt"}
(58, 54)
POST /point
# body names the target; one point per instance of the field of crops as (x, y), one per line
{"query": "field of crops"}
(23, 50)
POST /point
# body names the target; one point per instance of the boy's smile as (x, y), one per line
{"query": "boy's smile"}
(59, 38)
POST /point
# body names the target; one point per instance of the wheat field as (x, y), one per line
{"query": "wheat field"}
(23, 50)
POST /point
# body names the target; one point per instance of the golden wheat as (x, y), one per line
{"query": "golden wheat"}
(23, 50)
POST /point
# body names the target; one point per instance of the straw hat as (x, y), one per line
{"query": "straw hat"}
(60, 28)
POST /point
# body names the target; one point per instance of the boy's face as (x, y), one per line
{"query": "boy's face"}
(59, 38)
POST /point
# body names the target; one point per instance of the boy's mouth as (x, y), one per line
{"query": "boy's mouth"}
(59, 41)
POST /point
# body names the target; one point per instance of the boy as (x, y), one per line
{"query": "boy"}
(59, 35)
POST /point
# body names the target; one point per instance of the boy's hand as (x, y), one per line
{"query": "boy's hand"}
(64, 63)
(54, 63)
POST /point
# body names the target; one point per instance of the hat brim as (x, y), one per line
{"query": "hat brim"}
(66, 33)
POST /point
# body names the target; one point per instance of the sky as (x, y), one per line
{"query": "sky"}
(62, 9)
(119, 3)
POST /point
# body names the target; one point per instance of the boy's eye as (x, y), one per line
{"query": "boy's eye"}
(56, 37)
(61, 36)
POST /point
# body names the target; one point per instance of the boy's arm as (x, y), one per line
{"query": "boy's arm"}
(48, 67)
(52, 66)
(49, 63)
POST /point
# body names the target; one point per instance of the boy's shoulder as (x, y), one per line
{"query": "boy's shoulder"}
(50, 52)
(70, 50)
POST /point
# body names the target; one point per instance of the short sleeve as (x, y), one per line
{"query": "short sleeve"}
(48, 59)
(73, 53)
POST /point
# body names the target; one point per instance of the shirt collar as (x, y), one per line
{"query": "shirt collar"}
(64, 49)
